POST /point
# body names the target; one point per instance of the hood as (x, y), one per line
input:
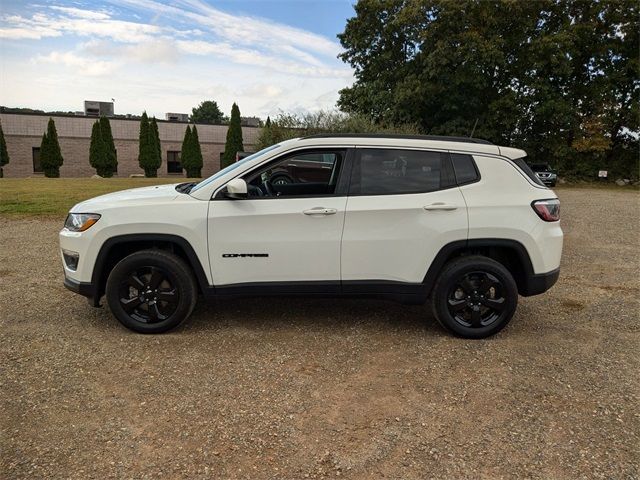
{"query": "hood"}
(133, 196)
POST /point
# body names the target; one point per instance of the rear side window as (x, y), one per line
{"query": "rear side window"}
(393, 172)
(526, 169)
(464, 168)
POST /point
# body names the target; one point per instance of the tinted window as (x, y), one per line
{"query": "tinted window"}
(386, 171)
(465, 168)
(522, 165)
(173, 162)
(35, 156)
(300, 174)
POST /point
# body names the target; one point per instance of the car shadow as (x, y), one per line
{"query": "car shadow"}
(277, 313)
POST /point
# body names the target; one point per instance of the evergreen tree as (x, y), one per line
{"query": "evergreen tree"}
(234, 138)
(149, 147)
(4, 155)
(101, 155)
(97, 150)
(44, 146)
(157, 147)
(185, 153)
(107, 138)
(50, 155)
(196, 155)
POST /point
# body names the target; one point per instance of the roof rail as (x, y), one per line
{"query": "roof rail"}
(440, 138)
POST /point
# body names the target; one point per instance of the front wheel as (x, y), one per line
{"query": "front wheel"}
(474, 297)
(151, 291)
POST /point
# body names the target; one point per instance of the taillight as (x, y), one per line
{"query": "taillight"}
(547, 210)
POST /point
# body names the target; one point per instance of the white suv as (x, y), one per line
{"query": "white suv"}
(460, 221)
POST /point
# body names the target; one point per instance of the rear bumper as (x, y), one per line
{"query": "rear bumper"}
(539, 283)
(85, 289)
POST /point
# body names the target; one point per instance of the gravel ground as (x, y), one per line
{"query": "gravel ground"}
(290, 388)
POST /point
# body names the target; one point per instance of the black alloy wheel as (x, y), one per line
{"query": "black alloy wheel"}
(151, 291)
(474, 296)
(476, 300)
(149, 294)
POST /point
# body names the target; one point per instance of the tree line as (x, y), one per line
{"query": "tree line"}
(103, 155)
(559, 78)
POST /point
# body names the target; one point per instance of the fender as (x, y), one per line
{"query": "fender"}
(105, 249)
(528, 282)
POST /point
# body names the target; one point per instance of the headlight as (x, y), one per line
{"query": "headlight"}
(79, 222)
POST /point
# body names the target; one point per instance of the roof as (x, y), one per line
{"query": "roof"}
(441, 138)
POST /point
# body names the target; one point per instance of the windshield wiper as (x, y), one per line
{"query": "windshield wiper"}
(185, 187)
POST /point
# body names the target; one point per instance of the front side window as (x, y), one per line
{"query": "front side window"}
(312, 173)
(393, 172)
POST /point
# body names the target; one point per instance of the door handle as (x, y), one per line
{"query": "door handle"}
(320, 211)
(440, 206)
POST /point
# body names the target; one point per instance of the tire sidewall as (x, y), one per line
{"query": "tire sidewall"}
(450, 276)
(173, 266)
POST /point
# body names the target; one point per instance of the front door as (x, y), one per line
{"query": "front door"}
(289, 228)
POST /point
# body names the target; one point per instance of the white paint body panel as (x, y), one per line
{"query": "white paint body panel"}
(300, 247)
(499, 206)
(392, 237)
(141, 210)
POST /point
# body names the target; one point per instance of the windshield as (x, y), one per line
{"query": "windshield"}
(231, 167)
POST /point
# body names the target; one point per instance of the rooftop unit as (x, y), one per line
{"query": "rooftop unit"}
(176, 117)
(94, 108)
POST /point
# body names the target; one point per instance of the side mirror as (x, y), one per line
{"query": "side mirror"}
(237, 189)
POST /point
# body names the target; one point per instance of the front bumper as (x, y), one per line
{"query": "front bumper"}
(539, 283)
(85, 289)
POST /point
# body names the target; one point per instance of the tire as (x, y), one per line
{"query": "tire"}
(474, 297)
(151, 291)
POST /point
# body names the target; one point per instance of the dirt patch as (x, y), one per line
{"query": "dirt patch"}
(290, 388)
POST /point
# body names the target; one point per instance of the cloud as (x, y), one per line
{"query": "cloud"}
(79, 13)
(166, 55)
(247, 56)
(83, 66)
(42, 25)
(240, 29)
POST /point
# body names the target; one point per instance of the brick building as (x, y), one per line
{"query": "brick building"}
(23, 134)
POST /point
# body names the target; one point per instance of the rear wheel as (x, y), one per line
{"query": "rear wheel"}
(151, 291)
(474, 297)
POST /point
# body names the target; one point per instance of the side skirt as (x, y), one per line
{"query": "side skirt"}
(409, 293)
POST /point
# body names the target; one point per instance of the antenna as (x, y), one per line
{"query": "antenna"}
(474, 128)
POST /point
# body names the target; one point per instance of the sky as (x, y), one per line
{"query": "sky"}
(169, 55)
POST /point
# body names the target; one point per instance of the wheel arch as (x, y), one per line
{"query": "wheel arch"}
(510, 253)
(116, 248)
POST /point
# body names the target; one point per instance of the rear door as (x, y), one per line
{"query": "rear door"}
(403, 207)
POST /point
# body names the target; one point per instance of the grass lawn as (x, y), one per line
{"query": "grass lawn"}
(55, 196)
